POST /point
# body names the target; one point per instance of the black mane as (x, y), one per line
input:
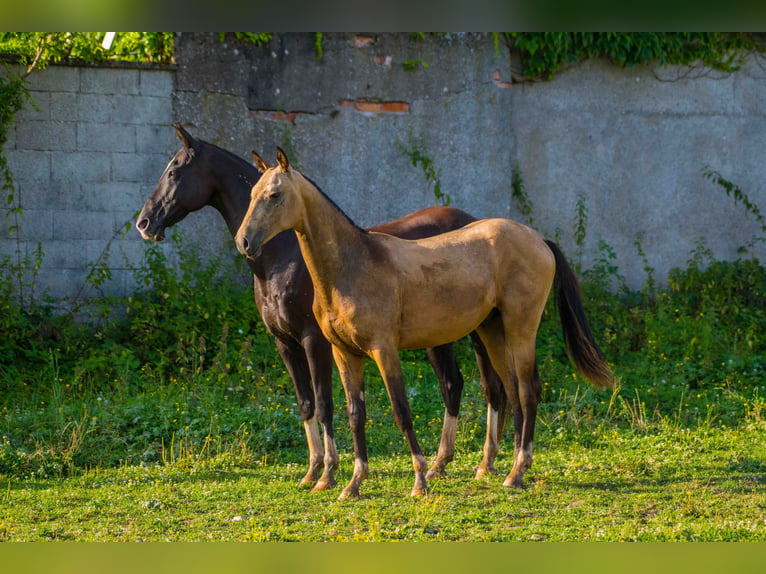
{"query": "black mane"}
(335, 205)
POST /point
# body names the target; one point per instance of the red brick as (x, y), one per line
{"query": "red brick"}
(369, 106)
(363, 41)
(396, 107)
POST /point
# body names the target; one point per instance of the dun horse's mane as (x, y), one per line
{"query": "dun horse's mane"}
(335, 205)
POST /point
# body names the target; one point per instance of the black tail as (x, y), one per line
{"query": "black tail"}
(578, 338)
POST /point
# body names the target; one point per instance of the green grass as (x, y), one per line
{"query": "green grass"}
(168, 415)
(702, 484)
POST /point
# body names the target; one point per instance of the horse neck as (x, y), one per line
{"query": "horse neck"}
(330, 242)
(231, 178)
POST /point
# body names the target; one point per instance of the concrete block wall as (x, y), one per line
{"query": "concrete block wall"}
(84, 159)
(631, 142)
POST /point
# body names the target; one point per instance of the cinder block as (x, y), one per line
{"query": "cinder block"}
(55, 79)
(8, 245)
(109, 81)
(64, 106)
(62, 284)
(142, 110)
(41, 195)
(36, 225)
(137, 167)
(112, 196)
(29, 166)
(156, 82)
(81, 224)
(160, 139)
(81, 167)
(129, 252)
(46, 136)
(65, 254)
(105, 137)
(37, 108)
(98, 108)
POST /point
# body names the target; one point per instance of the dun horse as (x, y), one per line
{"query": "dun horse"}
(375, 294)
(201, 174)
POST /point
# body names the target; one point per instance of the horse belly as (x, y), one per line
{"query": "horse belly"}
(441, 316)
(446, 294)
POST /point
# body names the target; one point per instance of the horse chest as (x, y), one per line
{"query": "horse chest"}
(285, 307)
(339, 330)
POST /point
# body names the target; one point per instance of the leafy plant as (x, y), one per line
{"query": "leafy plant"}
(418, 157)
(519, 193)
(411, 64)
(545, 53)
(732, 190)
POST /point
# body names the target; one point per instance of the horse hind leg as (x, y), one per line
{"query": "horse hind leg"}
(528, 390)
(493, 338)
(497, 405)
(450, 378)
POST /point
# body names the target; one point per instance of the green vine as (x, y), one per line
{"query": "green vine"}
(417, 155)
(733, 190)
(519, 193)
(545, 53)
(318, 45)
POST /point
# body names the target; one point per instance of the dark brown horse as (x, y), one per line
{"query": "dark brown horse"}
(201, 174)
(375, 293)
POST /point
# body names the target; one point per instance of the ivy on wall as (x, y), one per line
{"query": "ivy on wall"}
(545, 53)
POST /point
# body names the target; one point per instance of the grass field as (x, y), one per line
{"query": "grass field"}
(168, 415)
(588, 482)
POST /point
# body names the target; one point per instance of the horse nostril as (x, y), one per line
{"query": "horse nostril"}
(143, 224)
(245, 243)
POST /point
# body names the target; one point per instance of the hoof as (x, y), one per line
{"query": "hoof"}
(324, 484)
(484, 471)
(418, 491)
(436, 473)
(306, 482)
(514, 482)
(349, 493)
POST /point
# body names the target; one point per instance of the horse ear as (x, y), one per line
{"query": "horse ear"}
(184, 136)
(259, 162)
(282, 160)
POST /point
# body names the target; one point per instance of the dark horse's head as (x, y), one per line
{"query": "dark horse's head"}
(183, 187)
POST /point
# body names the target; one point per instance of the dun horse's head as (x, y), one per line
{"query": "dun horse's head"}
(181, 189)
(274, 205)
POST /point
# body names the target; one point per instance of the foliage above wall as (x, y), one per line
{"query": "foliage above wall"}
(41, 48)
(545, 53)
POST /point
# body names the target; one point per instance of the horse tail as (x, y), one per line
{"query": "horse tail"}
(578, 338)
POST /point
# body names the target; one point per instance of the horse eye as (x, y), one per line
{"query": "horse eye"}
(172, 173)
(274, 195)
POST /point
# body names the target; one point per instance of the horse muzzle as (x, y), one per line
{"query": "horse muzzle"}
(251, 246)
(144, 227)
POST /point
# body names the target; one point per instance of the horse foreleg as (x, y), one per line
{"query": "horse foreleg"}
(319, 356)
(391, 370)
(351, 372)
(450, 378)
(294, 358)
